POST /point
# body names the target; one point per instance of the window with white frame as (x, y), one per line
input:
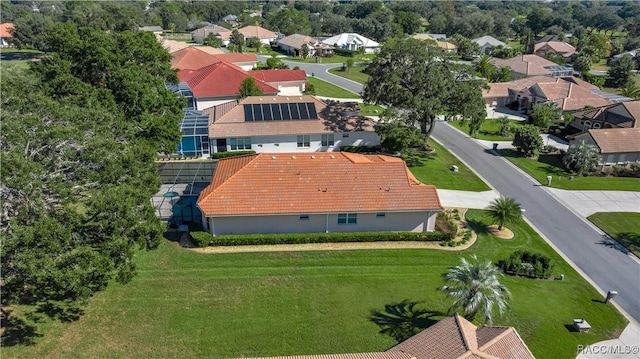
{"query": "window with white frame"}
(327, 139)
(240, 143)
(347, 218)
(304, 141)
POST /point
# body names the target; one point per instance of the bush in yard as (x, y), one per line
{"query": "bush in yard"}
(528, 140)
(201, 239)
(219, 155)
(446, 226)
(527, 264)
(545, 114)
(334, 237)
(582, 158)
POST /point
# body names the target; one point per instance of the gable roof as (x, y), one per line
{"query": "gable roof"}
(320, 182)
(456, 337)
(254, 31)
(568, 95)
(172, 45)
(350, 38)
(279, 75)
(501, 89)
(297, 40)
(633, 107)
(220, 79)
(210, 29)
(330, 118)
(237, 57)
(560, 47)
(529, 65)
(616, 140)
(5, 29)
(192, 58)
(489, 40)
(611, 114)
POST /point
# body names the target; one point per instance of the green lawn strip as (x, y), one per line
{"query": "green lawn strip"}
(355, 74)
(600, 66)
(624, 227)
(337, 59)
(488, 131)
(191, 305)
(550, 165)
(326, 89)
(435, 169)
(370, 110)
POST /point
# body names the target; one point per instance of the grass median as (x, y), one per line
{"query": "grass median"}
(624, 227)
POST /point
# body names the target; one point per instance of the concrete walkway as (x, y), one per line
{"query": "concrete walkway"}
(466, 199)
(627, 346)
(586, 203)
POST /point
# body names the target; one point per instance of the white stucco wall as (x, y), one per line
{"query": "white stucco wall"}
(289, 143)
(204, 103)
(393, 221)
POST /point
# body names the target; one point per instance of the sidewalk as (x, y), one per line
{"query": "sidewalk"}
(466, 199)
(627, 346)
(550, 140)
(586, 203)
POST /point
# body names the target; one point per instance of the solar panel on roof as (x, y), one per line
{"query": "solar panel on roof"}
(286, 114)
(266, 111)
(275, 109)
(304, 113)
(257, 112)
(295, 113)
(248, 113)
(312, 110)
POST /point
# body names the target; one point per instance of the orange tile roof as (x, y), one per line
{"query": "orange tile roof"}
(5, 29)
(321, 182)
(283, 75)
(192, 58)
(559, 47)
(254, 31)
(236, 57)
(617, 140)
(529, 65)
(329, 120)
(220, 79)
(211, 50)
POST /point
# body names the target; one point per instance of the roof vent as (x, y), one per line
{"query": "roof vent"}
(333, 157)
(273, 157)
(274, 99)
(293, 157)
(313, 157)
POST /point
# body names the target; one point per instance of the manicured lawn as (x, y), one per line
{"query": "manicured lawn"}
(337, 59)
(355, 74)
(18, 58)
(190, 305)
(600, 66)
(370, 110)
(547, 165)
(615, 90)
(488, 131)
(624, 227)
(435, 169)
(327, 89)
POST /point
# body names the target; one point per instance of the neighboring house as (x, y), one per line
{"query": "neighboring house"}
(265, 36)
(292, 45)
(561, 48)
(288, 82)
(616, 145)
(532, 65)
(5, 34)
(450, 338)
(619, 115)
(316, 193)
(245, 61)
(353, 42)
(569, 93)
(291, 124)
(218, 83)
(443, 44)
(630, 53)
(172, 45)
(487, 43)
(212, 50)
(547, 38)
(230, 18)
(154, 29)
(196, 57)
(220, 32)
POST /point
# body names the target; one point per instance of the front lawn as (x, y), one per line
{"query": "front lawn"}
(326, 89)
(354, 74)
(551, 165)
(488, 131)
(624, 227)
(337, 59)
(370, 110)
(435, 169)
(191, 305)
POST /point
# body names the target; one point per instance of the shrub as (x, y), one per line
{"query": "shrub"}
(359, 149)
(528, 264)
(219, 155)
(446, 226)
(201, 239)
(528, 140)
(337, 237)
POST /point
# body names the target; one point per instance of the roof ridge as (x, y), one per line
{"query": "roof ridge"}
(462, 327)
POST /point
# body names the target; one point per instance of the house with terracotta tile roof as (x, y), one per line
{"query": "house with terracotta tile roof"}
(616, 145)
(293, 44)
(244, 61)
(224, 34)
(192, 58)
(290, 124)
(265, 36)
(288, 82)
(619, 115)
(532, 65)
(316, 192)
(5, 33)
(450, 338)
(561, 48)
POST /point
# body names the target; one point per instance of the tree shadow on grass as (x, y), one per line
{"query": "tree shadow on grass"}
(478, 226)
(16, 331)
(403, 320)
(63, 313)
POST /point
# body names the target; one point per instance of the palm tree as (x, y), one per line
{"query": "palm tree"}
(485, 68)
(504, 210)
(631, 90)
(474, 288)
(505, 126)
(583, 157)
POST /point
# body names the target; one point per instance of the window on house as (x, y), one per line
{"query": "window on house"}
(304, 217)
(347, 218)
(240, 143)
(327, 140)
(345, 135)
(381, 215)
(304, 141)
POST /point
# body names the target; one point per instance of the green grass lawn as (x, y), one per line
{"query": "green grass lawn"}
(547, 165)
(18, 58)
(624, 227)
(355, 74)
(190, 305)
(616, 90)
(326, 89)
(600, 66)
(370, 110)
(337, 59)
(435, 169)
(488, 131)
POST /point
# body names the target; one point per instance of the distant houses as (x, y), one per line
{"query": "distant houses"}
(438, 40)
(6, 34)
(154, 29)
(532, 65)
(293, 45)
(353, 42)
(487, 43)
(265, 36)
(220, 32)
(559, 48)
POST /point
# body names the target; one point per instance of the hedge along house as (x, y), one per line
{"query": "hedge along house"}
(316, 192)
(289, 124)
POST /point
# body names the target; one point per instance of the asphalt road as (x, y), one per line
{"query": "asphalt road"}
(601, 259)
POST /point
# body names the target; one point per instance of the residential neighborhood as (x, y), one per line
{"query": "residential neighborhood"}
(320, 179)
